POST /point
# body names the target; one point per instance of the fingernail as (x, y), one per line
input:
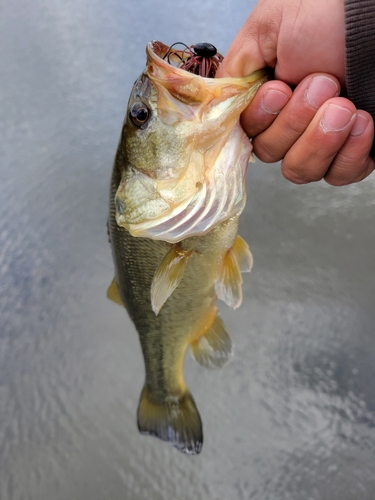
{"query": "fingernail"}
(320, 89)
(273, 101)
(360, 125)
(335, 118)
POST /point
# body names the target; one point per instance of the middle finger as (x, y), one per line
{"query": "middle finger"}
(272, 144)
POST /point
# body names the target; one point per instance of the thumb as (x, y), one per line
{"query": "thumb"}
(243, 57)
(253, 48)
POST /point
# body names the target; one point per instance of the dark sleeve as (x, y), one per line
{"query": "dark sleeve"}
(360, 54)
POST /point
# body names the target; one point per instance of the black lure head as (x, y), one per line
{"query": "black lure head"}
(205, 49)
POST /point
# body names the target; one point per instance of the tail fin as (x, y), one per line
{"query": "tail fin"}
(177, 422)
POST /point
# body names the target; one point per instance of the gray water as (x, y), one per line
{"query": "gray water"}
(292, 416)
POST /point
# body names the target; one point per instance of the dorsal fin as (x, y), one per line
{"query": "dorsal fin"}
(167, 276)
(113, 293)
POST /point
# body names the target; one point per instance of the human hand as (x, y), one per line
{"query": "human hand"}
(317, 133)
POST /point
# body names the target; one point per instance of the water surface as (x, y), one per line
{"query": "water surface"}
(292, 416)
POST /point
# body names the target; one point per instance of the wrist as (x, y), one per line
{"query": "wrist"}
(360, 54)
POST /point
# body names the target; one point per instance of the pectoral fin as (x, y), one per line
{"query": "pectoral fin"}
(229, 286)
(113, 293)
(243, 255)
(167, 276)
(214, 348)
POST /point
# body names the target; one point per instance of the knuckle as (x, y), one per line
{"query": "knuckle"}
(345, 170)
(254, 122)
(273, 144)
(265, 151)
(297, 121)
(332, 181)
(305, 165)
(291, 175)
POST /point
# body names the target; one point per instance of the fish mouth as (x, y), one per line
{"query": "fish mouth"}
(208, 183)
(189, 87)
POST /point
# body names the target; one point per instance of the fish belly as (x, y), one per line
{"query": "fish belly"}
(187, 312)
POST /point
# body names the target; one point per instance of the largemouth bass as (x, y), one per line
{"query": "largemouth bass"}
(177, 191)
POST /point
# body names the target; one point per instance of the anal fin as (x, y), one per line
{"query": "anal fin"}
(113, 293)
(176, 421)
(168, 276)
(214, 348)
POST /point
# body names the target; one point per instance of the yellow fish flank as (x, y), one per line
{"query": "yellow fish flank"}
(177, 191)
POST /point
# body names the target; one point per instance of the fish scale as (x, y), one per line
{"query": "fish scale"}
(170, 284)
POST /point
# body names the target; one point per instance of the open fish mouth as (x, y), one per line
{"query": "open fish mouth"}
(187, 169)
(200, 59)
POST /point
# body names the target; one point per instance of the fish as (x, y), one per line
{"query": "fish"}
(177, 191)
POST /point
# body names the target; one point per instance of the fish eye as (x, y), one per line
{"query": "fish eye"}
(139, 114)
